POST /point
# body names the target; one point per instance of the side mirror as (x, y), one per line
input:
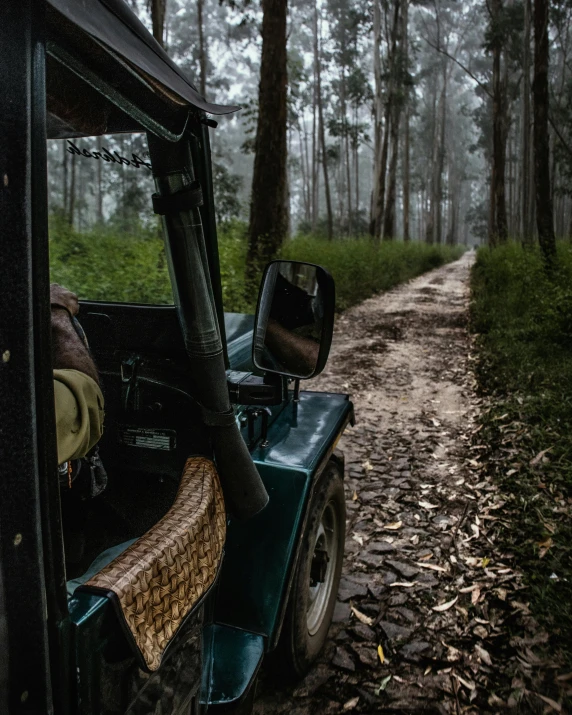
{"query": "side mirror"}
(294, 319)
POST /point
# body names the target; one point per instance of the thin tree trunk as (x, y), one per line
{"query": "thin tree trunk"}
(158, 8)
(71, 198)
(432, 198)
(315, 150)
(378, 108)
(202, 49)
(406, 167)
(322, 132)
(305, 157)
(305, 192)
(440, 161)
(379, 200)
(389, 213)
(544, 217)
(99, 195)
(65, 162)
(499, 231)
(268, 209)
(356, 163)
(379, 204)
(526, 186)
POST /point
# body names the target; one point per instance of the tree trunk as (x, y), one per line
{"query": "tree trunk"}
(379, 200)
(71, 197)
(379, 203)
(499, 231)
(158, 8)
(65, 161)
(315, 150)
(305, 157)
(406, 168)
(389, 213)
(268, 210)
(356, 165)
(305, 192)
(378, 108)
(202, 49)
(324, 153)
(526, 184)
(438, 186)
(431, 183)
(99, 195)
(344, 147)
(544, 217)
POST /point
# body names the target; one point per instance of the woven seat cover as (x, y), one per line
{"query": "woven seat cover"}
(160, 577)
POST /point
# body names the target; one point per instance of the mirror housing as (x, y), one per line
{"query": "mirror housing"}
(294, 319)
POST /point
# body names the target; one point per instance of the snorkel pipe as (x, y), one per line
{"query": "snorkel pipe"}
(177, 200)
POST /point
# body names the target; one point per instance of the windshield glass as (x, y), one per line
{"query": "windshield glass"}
(105, 241)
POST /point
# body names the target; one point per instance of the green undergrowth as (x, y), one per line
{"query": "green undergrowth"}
(359, 267)
(522, 318)
(362, 268)
(108, 263)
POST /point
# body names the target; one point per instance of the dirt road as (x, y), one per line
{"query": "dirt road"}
(422, 577)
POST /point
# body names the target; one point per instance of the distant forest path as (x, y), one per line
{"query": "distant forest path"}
(422, 575)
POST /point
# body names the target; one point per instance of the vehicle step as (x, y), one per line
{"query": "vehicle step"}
(236, 658)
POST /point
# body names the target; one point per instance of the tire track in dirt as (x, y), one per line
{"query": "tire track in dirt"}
(416, 578)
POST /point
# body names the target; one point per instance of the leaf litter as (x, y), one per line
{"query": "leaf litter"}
(458, 634)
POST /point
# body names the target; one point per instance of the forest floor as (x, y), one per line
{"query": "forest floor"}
(424, 576)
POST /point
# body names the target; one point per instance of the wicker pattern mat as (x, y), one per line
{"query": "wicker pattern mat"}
(163, 574)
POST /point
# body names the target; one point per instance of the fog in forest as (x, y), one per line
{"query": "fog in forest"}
(404, 120)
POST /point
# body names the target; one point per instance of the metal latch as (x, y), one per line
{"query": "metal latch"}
(129, 381)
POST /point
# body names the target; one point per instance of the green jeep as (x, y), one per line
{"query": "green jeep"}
(218, 539)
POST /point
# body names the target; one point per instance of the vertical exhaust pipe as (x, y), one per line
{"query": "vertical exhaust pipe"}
(177, 200)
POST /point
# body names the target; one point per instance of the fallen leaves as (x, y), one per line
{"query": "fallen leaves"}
(394, 526)
(544, 546)
(351, 704)
(402, 584)
(442, 607)
(383, 684)
(431, 567)
(367, 620)
(414, 498)
(428, 505)
(540, 457)
(483, 654)
(552, 703)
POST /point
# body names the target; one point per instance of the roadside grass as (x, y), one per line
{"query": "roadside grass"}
(362, 268)
(523, 324)
(106, 263)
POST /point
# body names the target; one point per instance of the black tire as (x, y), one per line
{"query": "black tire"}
(306, 624)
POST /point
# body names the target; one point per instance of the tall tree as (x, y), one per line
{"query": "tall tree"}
(540, 102)
(324, 151)
(377, 108)
(499, 229)
(158, 9)
(406, 155)
(202, 48)
(399, 85)
(268, 211)
(526, 206)
(379, 200)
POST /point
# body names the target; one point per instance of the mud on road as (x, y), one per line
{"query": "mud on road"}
(423, 577)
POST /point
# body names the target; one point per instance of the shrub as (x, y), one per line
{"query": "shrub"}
(361, 268)
(523, 320)
(104, 263)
